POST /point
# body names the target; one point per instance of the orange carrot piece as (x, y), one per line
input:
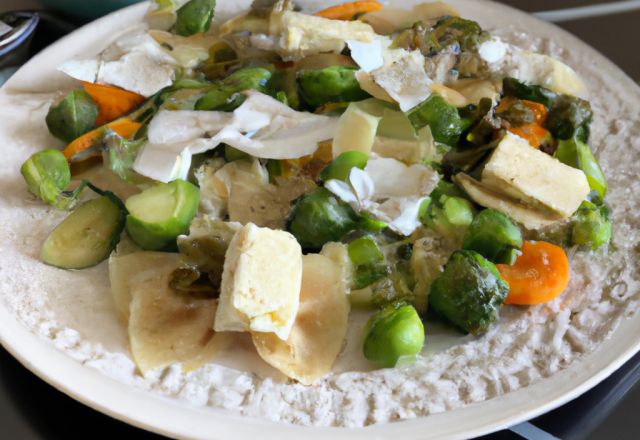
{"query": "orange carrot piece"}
(112, 101)
(533, 133)
(505, 103)
(539, 275)
(123, 127)
(539, 110)
(348, 10)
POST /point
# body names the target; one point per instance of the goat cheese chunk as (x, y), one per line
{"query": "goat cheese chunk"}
(260, 290)
(535, 178)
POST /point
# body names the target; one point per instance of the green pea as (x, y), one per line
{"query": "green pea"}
(391, 333)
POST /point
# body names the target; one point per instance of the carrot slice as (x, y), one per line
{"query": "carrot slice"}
(124, 127)
(112, 101)
(539, 275)
(539, 110)
(534, 134)
(348, 10)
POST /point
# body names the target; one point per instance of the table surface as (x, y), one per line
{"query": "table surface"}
(32, 410)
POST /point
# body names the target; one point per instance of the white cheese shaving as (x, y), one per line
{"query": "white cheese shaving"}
(83, 70)
(492, 50)
(367, 55)
(402, 188)
(277, 132)
(403, 77)
(137, 73)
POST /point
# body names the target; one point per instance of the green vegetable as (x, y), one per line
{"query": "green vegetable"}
(159, 214)
(493, 236)
(224, 94)
(369, 262)
(73, 116)
(446, 32)
(393, 332)
(365, 275)
(447, 211)
(122, 156)
(591, 225)
(341, 166)
(364, 250)
(513, 87)
(202, 255)
(481, 121)
(469, 292)
(233, 153)
(282, 97)
(442, 117)
(87, 236)
(577, 154)
(283, 81)
(567, 115)
(47, 175)
(459, 211)
(194, 17)
(319, 217)
(333, 84)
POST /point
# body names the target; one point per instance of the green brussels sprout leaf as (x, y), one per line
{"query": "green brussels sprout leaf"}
(73, 116)
(194, 17)
(442, 117)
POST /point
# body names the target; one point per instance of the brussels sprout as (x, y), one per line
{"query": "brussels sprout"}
(224, 94)
(194, 17)
(481, 121)
(446, 32)
(591, 225)
(493, 236)
(577, 154)
(469, 292)
(319, 217)
(88, 235)
(47, 175)
(341, 166)
(283, 81)
(333, 84)
(442, 117)
(202, 255)
(567, 115)
(393, 332)
(73, 116)
(161, 213)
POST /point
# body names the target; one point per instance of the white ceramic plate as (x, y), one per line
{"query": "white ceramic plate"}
(176, 419)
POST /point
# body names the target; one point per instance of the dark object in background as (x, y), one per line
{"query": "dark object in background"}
(87, 9)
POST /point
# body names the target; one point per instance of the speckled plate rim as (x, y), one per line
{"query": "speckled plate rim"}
(177, 419)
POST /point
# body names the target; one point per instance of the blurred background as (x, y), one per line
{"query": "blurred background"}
(32, 410)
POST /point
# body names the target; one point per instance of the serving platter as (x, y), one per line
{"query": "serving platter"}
(25, 335)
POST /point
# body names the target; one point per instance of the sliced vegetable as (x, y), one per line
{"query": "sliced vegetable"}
(539, 275)
(202, 255)
(393, 332)
(47, 175)
(333, 84)
(442, 117)
(122, 156)
(577, 154)
(493, 236)
(319, 218)
(591, 225)
(349, 11)
(112, 101)
(469, 293)
(224, 95)
(87, 236)
(194, 17)
(341, 166)
(73, 116)
(158, 215)
(363, 251)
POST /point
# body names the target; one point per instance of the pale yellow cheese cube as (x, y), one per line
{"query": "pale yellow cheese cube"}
(260, 288)
(537, 179)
